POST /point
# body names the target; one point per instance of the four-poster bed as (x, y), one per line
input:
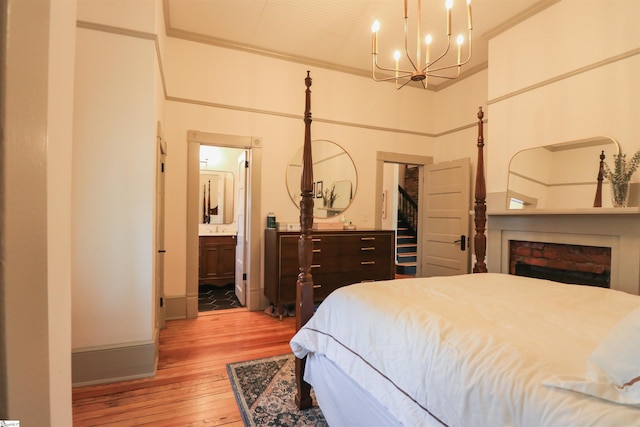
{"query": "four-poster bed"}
(476, 349)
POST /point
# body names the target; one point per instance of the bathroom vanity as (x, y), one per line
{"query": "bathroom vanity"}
(217, 259)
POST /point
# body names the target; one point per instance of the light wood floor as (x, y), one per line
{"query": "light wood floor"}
(191, 386)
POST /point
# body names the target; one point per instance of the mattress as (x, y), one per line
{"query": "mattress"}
(471, 350)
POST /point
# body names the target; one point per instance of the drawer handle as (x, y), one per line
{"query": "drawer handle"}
(367, 238)
(315, 251)
(317, 286)
(367, 262)
(368, 249)
(315, 266)
(316, 240)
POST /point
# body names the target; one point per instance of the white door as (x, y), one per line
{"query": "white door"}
(241, 238)
(160, 249)
(447, 220)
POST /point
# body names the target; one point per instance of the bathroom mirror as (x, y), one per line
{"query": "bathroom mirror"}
(559, 176)
(334, 175)
(216, 197)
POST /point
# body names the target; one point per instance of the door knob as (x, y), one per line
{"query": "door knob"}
(463, 242)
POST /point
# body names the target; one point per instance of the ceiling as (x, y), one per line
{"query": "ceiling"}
(336, 34)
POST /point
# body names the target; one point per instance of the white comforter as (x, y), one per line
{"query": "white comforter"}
(471, 350)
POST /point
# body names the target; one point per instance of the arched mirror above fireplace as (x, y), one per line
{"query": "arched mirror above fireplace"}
(559, 176)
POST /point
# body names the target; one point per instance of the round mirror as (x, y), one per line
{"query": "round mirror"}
(334, 175)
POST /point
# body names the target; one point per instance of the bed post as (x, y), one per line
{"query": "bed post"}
(597, 201)
(304, 285)
(480, 208)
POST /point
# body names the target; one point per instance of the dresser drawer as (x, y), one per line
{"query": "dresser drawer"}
(368, 241)
(339, 258)
(324, 284)
(319, 264)
(370, 264)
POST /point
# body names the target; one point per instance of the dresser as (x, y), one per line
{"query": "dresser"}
(339, 258)
(217, 264)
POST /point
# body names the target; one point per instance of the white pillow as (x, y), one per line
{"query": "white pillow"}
(613, 369)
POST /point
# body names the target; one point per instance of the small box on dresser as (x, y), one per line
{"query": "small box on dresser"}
(339, 258)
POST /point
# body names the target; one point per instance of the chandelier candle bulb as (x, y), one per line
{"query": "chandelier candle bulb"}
(374, 37)
(460, 40)
(428, 41)
(449, 5)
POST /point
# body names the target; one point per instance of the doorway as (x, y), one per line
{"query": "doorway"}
(221, 227)
(202, 213)
(387, 195)
(443, 205)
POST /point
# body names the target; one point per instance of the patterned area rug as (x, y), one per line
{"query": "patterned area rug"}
(265, 390)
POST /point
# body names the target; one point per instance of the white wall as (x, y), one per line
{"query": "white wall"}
(116, 111)
(113, 189)
(457, 121)
(568, 73)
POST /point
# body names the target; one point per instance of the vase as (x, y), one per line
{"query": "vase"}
(619, 194)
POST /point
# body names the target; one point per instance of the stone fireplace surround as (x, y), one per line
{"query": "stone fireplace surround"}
(615, 228)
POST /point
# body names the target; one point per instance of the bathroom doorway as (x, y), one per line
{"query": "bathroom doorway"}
(213, 223)
(221, 228)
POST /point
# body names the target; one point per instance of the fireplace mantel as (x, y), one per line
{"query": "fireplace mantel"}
(584, 211)
(617, 228)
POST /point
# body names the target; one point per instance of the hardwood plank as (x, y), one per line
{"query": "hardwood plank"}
(191, 385)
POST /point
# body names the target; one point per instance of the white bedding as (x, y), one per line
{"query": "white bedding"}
(471, 350)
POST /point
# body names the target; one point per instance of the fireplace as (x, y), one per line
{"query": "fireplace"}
(608, 238)
(575, 264)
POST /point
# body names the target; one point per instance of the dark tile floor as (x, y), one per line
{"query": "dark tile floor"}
(211, 297)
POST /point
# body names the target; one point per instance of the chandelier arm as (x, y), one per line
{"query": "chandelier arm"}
(401, 73)
(445, 67)
(404, 74)
(439, 57)
(406, 43)
(440, 76)
(386, 79)
(469, 55)
(393, 70)
(403, 85)
(452, 65)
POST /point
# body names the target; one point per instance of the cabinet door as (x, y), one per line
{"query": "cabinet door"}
(227, 260)
(211, 256)
(217, 259)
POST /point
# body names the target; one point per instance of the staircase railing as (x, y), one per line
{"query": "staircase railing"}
(408, 209)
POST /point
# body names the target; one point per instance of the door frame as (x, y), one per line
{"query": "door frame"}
(383, 157)
(161, 154)
(252, 262)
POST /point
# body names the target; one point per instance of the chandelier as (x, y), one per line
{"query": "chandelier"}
(422, 70)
